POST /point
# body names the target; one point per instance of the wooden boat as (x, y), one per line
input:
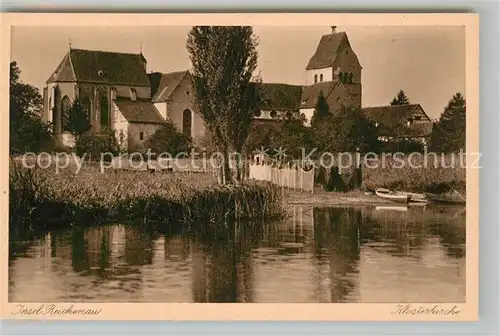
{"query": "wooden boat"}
(391, 208)
(443, 199)
(415, 197)
(392, 196)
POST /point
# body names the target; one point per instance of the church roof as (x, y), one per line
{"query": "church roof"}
(310, 93)
(140, 111)
(392, 119)
(163, 88)
(335, 94)
(101, 67)
(326, 52)
(277, 96)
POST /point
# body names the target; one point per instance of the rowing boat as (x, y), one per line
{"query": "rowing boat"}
(392, 208)
(442, 199)
(415, 197)
(392, 196)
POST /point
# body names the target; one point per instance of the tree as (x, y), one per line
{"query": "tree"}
(347, 131)
(293, 136)
(260, 137)
(93, 145)
(448, 134)
(224, 59)
(321, 110)
(168, 140)
(27, 131)
(401, 99)
(77, 120)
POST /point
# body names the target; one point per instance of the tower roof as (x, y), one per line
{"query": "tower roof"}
(326, 52)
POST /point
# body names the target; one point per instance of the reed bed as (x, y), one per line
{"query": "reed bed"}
(40, 197)
(420, 177)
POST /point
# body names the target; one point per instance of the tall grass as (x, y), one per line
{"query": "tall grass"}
(430, 178)
(46, 199)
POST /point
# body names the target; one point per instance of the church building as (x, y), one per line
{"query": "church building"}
(119, 95)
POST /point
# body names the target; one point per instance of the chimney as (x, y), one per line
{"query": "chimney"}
(333, 29)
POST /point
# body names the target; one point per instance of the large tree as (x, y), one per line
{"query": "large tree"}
(400, 99)
(346, 131)
(27, 131)
(224, 59)
(448, 134)
(321, 111)
(77, 121)
(293, 136)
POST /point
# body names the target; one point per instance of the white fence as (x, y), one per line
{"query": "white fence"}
(291, 178)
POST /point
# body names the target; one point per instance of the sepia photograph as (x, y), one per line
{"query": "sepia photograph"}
(240, 163)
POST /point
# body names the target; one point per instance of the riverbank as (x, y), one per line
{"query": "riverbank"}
(323, 198)
(352, 198)
(43, 198)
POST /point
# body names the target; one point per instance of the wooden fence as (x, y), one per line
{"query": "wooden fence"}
(294, 177)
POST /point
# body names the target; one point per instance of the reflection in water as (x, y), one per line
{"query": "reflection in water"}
(316, 255)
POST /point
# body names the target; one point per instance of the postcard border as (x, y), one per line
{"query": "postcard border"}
(307, 311)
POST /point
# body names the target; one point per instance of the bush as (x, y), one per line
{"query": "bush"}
(93, 145)
(168, 140)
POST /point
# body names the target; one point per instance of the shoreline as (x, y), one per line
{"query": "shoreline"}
(349, 199)
(322, 198)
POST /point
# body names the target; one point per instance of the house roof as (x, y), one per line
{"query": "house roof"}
(140, 111)
(326, 52)
(276, 96)
(393, 120)
(102, 67)
(167, 84)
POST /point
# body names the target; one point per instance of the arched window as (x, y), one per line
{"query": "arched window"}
(350, 78)
(114, 93)
(321, 77)
(65, 109)
(315, 79)
(104, 107)
(273, 114)
(288, 115)
(186, 122)
(257, 113)
(133, 94)
(86, 107)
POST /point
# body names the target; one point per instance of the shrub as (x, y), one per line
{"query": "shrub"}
(93, 145)
(168, 140)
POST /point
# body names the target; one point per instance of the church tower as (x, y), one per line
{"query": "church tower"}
(335, 61)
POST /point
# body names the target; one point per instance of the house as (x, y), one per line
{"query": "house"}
(400, 122)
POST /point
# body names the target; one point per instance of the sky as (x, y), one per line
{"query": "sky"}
(427, 62)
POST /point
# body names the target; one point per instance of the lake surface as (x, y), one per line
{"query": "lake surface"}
(317, 255)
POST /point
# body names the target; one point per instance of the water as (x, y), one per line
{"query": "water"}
(317, 255)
